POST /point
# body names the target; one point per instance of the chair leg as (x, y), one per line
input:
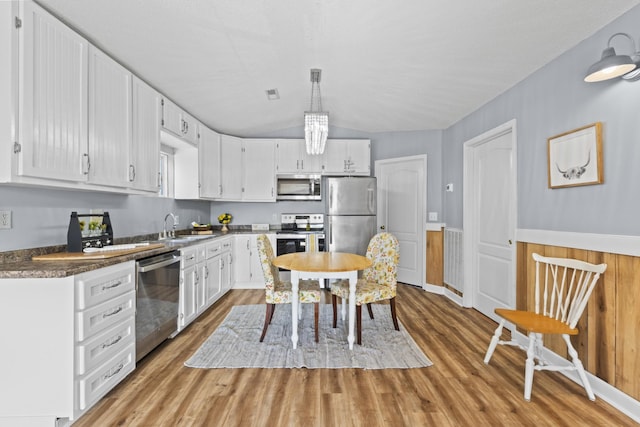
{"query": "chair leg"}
(335, 313)
(392, 303)
(578, 364)
(316, 313)
(529, 365)
(267, 319)
(359, 324)
(370, 311)
(273, 309)
(494, 342)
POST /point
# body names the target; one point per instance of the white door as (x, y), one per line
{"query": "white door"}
(401, 211)
(489, 220)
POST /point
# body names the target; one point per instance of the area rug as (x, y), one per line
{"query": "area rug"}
(235, 343)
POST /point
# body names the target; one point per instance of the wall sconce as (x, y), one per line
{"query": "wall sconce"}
(611, 65)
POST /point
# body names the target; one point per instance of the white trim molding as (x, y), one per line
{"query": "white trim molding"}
(615, 244)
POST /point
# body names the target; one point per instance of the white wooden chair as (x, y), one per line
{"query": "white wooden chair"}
(562, 289)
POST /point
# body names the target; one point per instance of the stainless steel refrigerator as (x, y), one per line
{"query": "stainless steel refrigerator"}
(350, 213)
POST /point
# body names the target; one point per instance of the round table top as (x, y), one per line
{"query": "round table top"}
(322, 261)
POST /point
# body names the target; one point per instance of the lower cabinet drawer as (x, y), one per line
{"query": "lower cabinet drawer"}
(97, 318)
(95, 350)
(101, 285)
(96, 384)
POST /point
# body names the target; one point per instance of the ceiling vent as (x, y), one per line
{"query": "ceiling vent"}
(272, 94)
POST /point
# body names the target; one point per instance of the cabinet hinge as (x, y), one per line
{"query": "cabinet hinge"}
(18, 22)
(17, 147)
(162, 102)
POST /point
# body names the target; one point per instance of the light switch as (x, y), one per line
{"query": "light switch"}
(433, 216)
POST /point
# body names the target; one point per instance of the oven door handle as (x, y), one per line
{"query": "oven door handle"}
(158, 265)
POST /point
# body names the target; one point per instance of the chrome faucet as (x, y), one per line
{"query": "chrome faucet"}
(172, 233)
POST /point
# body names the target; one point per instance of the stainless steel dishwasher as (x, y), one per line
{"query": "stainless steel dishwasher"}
(157, 298)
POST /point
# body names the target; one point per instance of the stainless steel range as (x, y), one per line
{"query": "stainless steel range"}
(300, 233)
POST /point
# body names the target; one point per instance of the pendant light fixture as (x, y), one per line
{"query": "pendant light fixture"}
(612, 65)
(316, 121)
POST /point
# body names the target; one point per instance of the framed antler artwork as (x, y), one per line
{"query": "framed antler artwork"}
(575, 157)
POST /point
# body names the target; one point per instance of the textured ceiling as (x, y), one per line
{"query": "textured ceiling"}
(387, 65)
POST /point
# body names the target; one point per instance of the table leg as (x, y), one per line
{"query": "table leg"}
(353, 279)
(295, 279)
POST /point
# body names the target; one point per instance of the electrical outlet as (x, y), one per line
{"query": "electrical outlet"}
(5, 219)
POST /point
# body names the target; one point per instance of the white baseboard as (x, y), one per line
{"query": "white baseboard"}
(441, 290)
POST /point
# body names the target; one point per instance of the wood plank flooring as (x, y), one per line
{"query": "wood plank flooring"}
(458, 390)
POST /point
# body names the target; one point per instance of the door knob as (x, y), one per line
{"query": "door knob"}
(382, 227)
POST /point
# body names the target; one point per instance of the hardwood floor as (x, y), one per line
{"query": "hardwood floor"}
(458, 390)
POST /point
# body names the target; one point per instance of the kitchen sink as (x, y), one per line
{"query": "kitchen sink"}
(183, 239)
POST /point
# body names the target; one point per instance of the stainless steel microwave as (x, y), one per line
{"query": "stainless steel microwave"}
(299, 187)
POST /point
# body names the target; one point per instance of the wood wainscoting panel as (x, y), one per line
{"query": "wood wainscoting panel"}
(627, 325)
(609, 340)
(435, 257)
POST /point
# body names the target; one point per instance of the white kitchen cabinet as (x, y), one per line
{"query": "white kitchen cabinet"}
(145, 144)
(347, 157)
(209, 163)
(247, 267)
(53, 119)
(292, 158)
(76, 343)
(258, 176)
(227, 273)
(247, 169)
(189, 282)
(231, 167)
(212, 276)
(110, 120)
(178, 122)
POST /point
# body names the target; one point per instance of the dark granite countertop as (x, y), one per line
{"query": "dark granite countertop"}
(19, 265)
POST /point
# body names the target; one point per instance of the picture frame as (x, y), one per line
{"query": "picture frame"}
(575, 157)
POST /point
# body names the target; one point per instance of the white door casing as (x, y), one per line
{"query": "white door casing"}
(489, 220)
(402, 205)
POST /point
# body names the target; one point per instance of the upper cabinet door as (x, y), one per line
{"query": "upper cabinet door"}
(52, 97)
(178, 122)
(109, 120)
(145, 146)
(259, 179)
(231, 167)
(292, 158)
(209, 161)
(348, 157)
(288, 156)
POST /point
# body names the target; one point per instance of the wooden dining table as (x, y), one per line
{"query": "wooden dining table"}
(322, 265)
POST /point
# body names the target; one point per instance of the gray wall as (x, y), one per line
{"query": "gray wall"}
(41, 216)
(551, 101)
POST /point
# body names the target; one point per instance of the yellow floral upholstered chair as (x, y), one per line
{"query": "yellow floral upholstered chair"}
(279, 291)
(378, 282)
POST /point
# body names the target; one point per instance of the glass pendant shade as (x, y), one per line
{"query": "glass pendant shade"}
(316, 130)
(316, 121)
